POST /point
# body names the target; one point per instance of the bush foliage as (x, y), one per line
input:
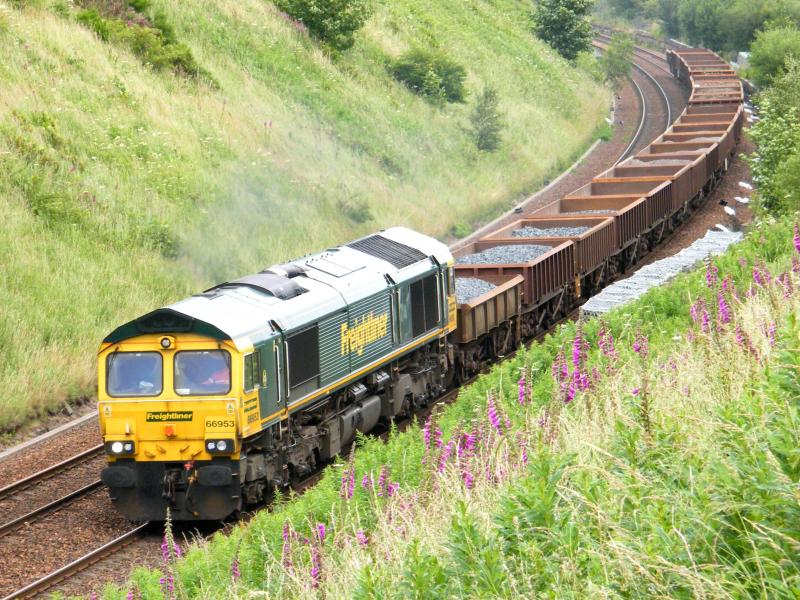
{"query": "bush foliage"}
(776, 162)
(770, 51)
(487, 121)
(617, 60)
(335, 22)
(431, 74)
(564, 26)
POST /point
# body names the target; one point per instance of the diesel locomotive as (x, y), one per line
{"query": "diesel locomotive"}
(209, 404)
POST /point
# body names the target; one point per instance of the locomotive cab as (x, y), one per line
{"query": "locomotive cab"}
(169, 413)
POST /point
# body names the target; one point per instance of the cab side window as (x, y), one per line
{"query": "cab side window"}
(252, 370)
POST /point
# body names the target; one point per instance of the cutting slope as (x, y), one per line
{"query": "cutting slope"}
(123, 188)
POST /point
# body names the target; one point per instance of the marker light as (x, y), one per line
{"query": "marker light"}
(117, 447)
(166, 342)
(222, 446)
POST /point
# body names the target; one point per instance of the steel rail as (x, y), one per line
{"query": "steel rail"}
(50, 508)
(52, 579)
(49, 472)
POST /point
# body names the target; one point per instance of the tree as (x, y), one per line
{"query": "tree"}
(770, 51)
(563, 24)
(487, 121)
(431, 74)
(617, 59)
(335, 22)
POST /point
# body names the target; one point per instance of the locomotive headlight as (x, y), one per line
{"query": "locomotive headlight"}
(166, 342)
(220, 446)
(120, 448)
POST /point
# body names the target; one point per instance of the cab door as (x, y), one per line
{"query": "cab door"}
(271, 394)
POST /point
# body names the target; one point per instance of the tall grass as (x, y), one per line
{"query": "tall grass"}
(124, 188)
(629, 457)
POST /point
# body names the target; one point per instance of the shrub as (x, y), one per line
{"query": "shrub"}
(154, 46)
(770, 51)
(617, 60)
(431, 74)
(563, 25)
(335, 22)
(487, 121)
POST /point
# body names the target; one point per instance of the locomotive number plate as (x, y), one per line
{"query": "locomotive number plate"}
(217, 423)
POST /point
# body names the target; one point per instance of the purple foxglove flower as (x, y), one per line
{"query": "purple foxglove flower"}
(366, 482)
(392, 489)
(362, 539)
(739, 336)
(771, 333)
(635, 391)
(469, 481)
(705, 321)
(235, 573)
(445, 456)
(521, 390)
(570, 396)
(316, 567)
(711, 274)
(426, 433)
(382, 480)
(758, 276)
(438, 434)
(321, 532)
(796, 238)
(724, 313)
(577, 347)
(494, 418)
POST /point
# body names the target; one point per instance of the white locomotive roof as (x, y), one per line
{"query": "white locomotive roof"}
(330, 281)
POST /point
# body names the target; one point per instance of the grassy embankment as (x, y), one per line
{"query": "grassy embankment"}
(653, 453)
(124, 187)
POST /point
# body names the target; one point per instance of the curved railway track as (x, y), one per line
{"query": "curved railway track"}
(49, 581)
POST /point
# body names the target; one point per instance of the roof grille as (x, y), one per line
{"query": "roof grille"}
(395, 253)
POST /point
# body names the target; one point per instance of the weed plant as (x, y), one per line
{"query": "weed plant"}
(124, 188)
(652, 453)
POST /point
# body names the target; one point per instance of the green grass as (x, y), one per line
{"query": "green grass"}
(124, 187)
(676, 474)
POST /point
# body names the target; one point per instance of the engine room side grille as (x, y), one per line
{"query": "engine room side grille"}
(395, 253)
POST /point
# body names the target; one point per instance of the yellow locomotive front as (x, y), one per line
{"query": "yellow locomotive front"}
(169, 415)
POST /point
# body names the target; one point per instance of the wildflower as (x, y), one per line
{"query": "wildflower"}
(391, 490)
(635, 391)
(606, 343)
(321, 532)
(771, 333)
(577, 346)
(795, 265)
(438, 434)
(362, 539)
(469, 481)
(739, 336)
(469, 441)
(727, 284)
(570, 396)
(695, 310)
(129, 595)
(366, 482)
(711, 274)
(426, 433)
(641, 344)
(560, 369)
(316, 567)
(286, 551)
(523, 451)
(758, 276)
(521, 390)
(235, 573)
(723, 312)
(382, 480)
(346, 489)
(445, 456)
(494, 418)
(165, 553)
(796, 238)
(705, 322)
